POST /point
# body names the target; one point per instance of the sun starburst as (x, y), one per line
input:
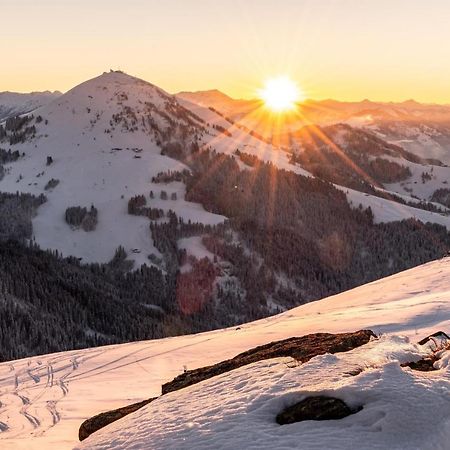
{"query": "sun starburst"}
(280, 94)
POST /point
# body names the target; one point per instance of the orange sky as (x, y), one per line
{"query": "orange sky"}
(343, 49)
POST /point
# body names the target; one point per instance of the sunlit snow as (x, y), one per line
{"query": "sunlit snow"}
(44, 399)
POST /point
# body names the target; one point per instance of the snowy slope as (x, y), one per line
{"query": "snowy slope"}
(389, 211)
(98, 168)
(422, 129)
(44, 399)
(427, 139)
(242, 140)
(422, 188)
(104, 153)
(14, 103)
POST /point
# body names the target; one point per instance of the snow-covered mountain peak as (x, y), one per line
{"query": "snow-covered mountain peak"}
(104, 140)
(110, 94)
(114, 81)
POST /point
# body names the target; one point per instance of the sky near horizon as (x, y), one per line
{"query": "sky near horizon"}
(388, 50)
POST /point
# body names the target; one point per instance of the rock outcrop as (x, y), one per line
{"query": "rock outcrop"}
(439, 341)
(99, 421)
(300, 348)
(315, 408)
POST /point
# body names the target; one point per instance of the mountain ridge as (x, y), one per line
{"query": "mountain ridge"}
(17, 103)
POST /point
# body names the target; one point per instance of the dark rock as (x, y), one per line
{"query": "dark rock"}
(424, 365)
(315, 408)
(300, 348)
(99, 421)
(354, 372)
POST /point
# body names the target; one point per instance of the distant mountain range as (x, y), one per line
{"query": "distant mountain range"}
(423, 129)
(14, 103)
(104, 139)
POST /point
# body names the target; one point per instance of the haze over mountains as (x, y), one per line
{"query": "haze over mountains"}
(224, 224)
(103, 127)
(423, 129)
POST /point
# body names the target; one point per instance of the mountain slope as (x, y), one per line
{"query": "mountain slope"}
(124, 172)
(44, 399)
(408, 141)
(230, 227)
(100, 144)
(422, 129)
(104, 141)
(218, 100)
(95, 167)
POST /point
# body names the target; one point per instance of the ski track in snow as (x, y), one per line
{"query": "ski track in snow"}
(37, 392)
(40, 386)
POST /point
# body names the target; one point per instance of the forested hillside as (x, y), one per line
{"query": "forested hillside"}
(289, 240)
(304, 231)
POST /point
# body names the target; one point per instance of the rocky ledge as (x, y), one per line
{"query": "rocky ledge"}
(301, 349)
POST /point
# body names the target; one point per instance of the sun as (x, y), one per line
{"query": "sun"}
(280, 94)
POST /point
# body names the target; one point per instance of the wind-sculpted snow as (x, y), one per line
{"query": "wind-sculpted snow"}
(404, 308)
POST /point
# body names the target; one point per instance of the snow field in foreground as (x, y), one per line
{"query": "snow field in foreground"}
(44, 399)
(402, 409)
